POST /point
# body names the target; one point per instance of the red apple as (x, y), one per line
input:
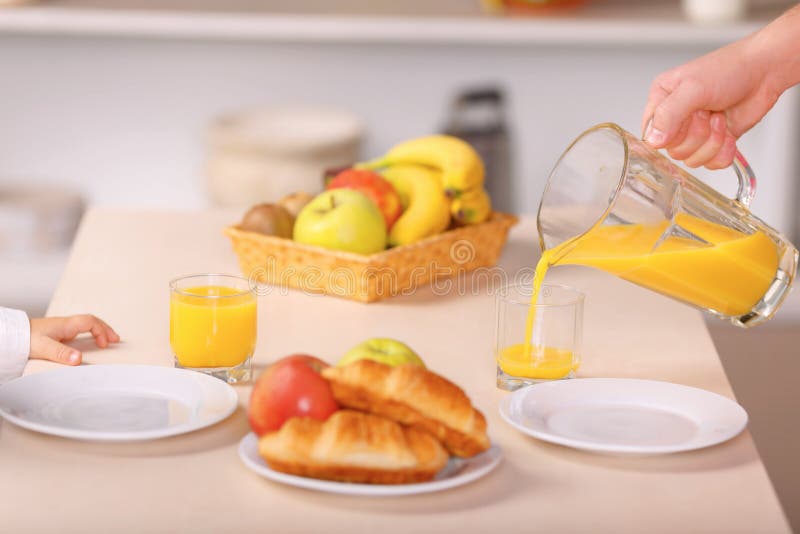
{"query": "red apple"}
(291, 387)
(376, 187)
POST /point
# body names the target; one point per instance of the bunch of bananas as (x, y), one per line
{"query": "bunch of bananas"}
(437, 177)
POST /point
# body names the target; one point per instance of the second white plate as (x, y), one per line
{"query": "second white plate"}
(623, 416)
(457, 472)
(116, 402)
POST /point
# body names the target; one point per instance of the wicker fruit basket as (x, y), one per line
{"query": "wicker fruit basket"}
(396, 271)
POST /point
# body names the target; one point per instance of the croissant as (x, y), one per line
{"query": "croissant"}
(353, 446)
(414, 396)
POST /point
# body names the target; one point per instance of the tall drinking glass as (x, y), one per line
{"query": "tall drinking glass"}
(554, 351)
(212, 326)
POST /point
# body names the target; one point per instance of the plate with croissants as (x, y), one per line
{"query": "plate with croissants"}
(365, 428)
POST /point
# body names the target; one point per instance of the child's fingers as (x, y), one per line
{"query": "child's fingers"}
(112, 335)
(90, 323)
(45, 348)
(68, 328)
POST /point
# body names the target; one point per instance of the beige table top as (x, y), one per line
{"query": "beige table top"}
(119, 269)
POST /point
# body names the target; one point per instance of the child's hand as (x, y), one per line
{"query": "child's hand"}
(47, 335)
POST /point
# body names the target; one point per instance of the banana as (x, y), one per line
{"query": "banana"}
(460, 166)
(473, 206)
(427, 208)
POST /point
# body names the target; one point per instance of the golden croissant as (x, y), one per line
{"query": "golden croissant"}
(353, 446)
(415, 397)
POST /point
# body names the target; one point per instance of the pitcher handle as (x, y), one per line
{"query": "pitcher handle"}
(747, 180)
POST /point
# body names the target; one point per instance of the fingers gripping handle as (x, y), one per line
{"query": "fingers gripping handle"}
(747, 179)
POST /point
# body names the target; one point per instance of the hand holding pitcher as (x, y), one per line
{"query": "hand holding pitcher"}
(615, 204)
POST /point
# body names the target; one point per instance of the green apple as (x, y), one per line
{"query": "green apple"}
(383, 350)
(342, 219)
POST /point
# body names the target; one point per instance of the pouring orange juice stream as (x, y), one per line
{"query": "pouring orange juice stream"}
(729, 274)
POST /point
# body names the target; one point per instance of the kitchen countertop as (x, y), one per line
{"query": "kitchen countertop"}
(119, 269)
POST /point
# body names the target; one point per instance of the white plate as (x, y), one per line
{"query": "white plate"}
(116, 402)
(457, 472)
(623, 416)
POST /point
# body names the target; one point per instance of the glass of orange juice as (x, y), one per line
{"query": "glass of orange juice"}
(538, 337)
(212, 325)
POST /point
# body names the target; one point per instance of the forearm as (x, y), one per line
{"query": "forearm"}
(778, 45)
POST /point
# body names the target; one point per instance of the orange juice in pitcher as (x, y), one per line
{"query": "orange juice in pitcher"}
(615, 204)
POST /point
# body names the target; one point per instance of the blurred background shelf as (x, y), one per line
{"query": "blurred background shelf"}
(123, 90)
(381, 21)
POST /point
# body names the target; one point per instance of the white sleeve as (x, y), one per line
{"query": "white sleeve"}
(15, 343)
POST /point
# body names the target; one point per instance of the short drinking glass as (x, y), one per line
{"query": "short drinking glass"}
(554, 347)
(212, 325)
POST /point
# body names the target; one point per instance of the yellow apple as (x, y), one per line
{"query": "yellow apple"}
(342, 219)
(383, 350)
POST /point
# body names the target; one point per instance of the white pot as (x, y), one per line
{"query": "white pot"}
(262, 155)
(714, 11)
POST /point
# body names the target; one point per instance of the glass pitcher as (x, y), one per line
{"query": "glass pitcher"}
(613, 203)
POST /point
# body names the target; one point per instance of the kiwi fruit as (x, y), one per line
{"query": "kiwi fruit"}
(269, 219)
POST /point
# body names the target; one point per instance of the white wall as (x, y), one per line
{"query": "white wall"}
(123, 118)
